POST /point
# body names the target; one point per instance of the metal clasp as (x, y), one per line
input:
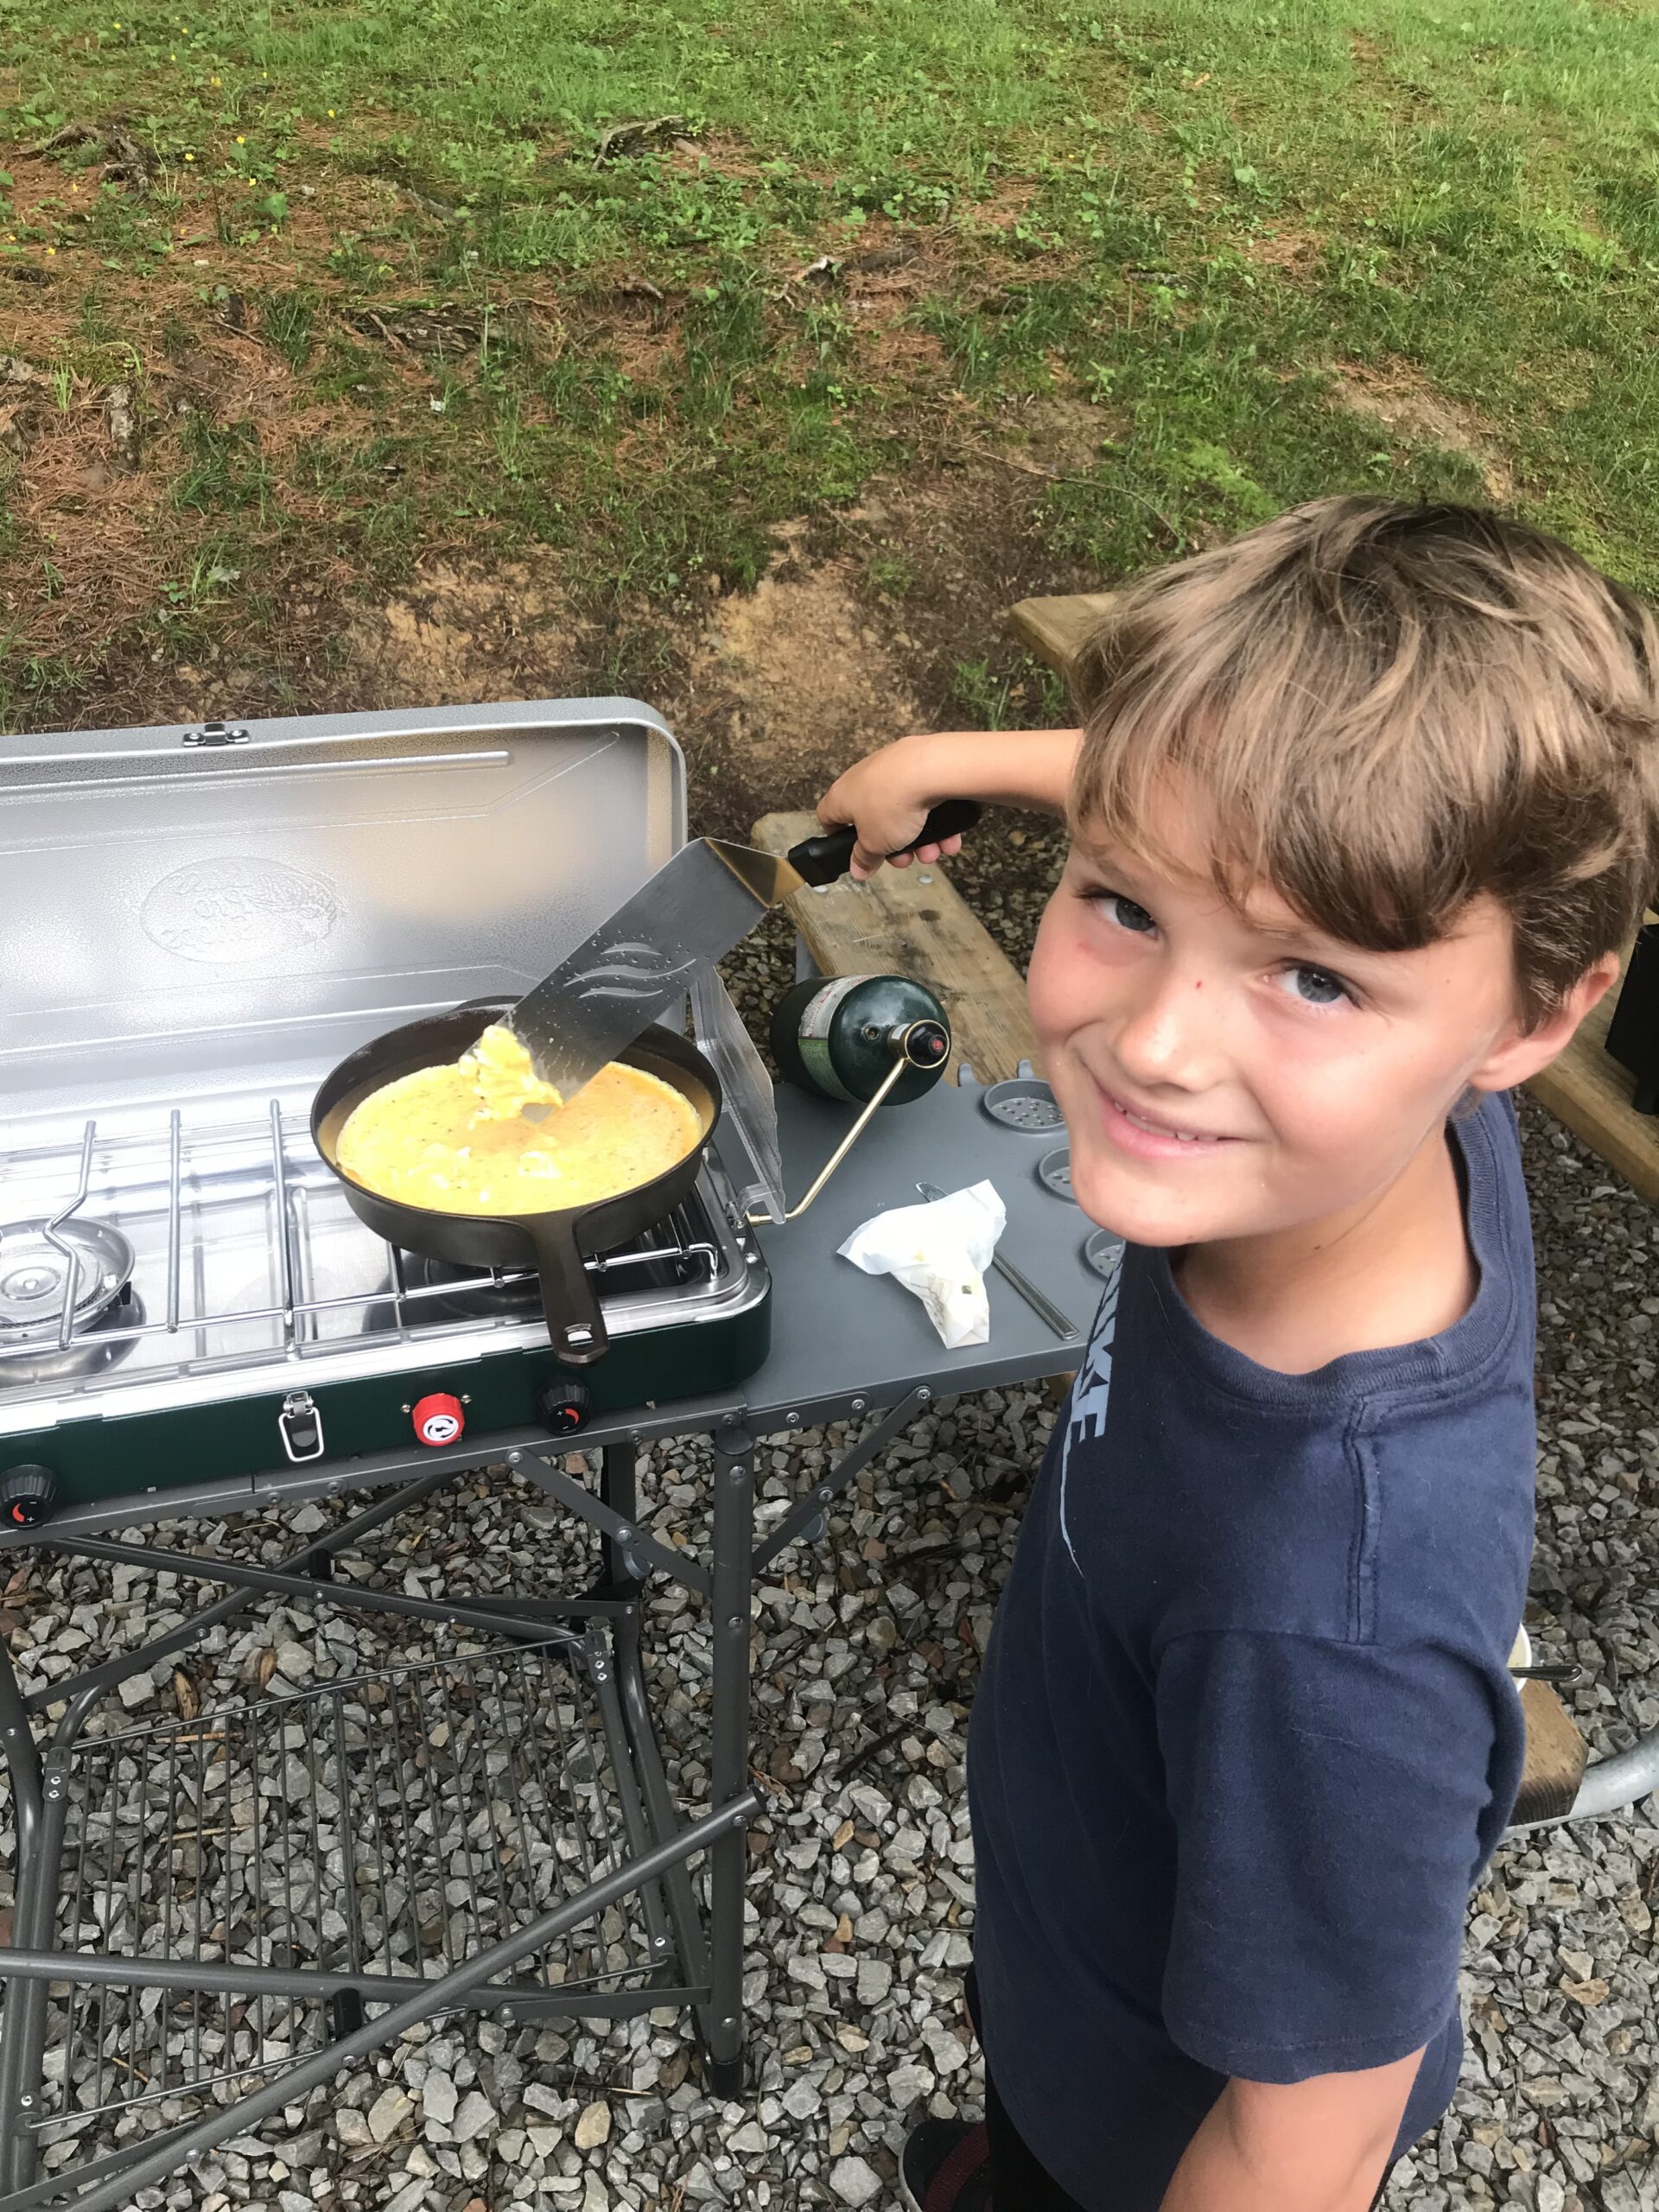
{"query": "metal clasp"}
(300, 1425)
(217, 733)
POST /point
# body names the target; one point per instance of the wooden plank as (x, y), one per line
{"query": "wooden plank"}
(1055, 630)
(910, 921)
(1588, 1090)
(1555, 1756)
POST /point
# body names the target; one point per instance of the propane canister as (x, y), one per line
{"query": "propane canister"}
(841, 1034)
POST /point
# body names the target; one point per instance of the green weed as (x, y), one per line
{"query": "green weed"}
(285, 323)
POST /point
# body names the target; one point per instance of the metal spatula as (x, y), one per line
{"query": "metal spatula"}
(640, 963)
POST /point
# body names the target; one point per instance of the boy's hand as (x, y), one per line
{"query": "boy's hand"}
(888, 796)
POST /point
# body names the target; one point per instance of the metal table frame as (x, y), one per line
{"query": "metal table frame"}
(701, 1951)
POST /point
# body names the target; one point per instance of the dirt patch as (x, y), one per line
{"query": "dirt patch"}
(1402, 398)
(1294, 252)
(861, 631)
(801, 675)
(467, 633)
(1069, 434)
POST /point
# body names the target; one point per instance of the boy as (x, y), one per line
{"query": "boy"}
(1364, 806)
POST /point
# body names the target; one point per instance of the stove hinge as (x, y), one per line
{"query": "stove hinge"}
(299, 1423)
(217, 733)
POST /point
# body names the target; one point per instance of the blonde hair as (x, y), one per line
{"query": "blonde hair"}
(1391, 710)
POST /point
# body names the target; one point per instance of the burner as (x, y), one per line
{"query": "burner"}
(35, 1262)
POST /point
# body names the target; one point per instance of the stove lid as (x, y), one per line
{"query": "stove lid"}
(241, 905)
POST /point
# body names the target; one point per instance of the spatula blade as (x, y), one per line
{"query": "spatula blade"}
(640, 963)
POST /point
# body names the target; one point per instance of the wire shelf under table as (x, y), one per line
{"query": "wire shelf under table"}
(386, 1827)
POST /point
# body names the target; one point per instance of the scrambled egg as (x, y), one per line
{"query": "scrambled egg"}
(456, 1139)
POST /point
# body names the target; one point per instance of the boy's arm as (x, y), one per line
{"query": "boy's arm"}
(1320, 2145)
(886, 796)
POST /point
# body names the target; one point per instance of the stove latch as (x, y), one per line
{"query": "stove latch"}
(301, 1425)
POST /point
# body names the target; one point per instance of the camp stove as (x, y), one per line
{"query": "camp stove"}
(221, 914)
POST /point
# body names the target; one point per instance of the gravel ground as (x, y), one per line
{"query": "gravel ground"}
(859, 1900)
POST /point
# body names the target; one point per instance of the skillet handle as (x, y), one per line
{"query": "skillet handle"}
(574, 1320)
(821, 860)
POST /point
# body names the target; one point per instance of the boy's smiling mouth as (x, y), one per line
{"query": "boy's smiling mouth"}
(1149, 1136)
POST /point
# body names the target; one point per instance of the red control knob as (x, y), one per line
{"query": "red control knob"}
(439, 1419)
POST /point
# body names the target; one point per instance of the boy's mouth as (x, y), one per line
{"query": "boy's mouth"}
(1148, 1136)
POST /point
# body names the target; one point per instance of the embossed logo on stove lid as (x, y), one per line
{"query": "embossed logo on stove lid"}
(237, 908)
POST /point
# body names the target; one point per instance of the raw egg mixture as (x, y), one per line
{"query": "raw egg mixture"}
(457, 1139)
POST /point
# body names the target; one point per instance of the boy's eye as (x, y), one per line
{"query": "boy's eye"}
(1122, 910)
(1316, 986)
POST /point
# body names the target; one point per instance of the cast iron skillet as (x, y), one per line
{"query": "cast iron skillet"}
(553, 1242)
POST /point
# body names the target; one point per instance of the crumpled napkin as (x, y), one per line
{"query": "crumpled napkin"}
(941, 1251)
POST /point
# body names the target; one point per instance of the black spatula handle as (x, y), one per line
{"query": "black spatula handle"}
(821, 860)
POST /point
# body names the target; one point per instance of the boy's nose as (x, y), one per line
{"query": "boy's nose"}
(1170, 1035)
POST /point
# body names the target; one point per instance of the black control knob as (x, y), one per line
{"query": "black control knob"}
(563, 1407)
(28, 1495)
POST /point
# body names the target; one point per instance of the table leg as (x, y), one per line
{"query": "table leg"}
(734, 1583)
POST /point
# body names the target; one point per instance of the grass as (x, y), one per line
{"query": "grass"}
(401, 305)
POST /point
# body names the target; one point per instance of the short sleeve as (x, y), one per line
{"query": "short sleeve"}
(1332, 1804)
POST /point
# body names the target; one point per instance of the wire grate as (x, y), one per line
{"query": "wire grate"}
(387, 1826)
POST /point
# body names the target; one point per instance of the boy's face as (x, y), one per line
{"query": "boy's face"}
(1229, 1074)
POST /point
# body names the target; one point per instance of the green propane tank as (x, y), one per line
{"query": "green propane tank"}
(841, 1034)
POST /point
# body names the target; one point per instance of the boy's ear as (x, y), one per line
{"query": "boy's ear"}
(1521, 1055)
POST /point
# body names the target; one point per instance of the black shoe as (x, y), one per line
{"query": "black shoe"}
(945, 2166)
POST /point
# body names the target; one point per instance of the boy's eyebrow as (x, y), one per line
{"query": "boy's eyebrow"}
(1293, 931)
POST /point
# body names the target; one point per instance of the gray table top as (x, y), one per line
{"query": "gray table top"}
(836, 1331)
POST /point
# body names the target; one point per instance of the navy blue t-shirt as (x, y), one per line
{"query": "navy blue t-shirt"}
(1246, 1735)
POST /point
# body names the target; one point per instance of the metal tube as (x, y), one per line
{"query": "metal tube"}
(23, 1764)
(900, 1066)
(175, 2148)
(174, 1211)
(284, 1251)
(627, 1790)
(733, 1538)
(66, 1316)
(98, 1679)
(351, 1911)
(22, 2025)
(1610, 1785)
(660, 1807)
(119, 1970)
(852, 1463)
(676, 1565)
